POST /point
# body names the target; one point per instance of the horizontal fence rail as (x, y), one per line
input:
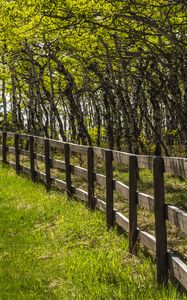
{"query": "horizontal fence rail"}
(166, 261)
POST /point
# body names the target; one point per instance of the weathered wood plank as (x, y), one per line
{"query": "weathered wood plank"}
(146, 201)
(100, 179)
(173, 165)
(81, 194)
(79, 171)
(23, 136)
(12, 164)
(39, 157)
(121, 157)
(122, 221)
(58, 164)
(10, 134)
(177, 217)
(11, 150)
(145, 161)
(78, 148)
(39, 139)
(178, 269)
(24, 152)
(99, 152)
(176, 166)
(59, 184)
(24, 169)
(101, 205)
(147, 240)
(122, 188)
(56, 144)
(41, 176)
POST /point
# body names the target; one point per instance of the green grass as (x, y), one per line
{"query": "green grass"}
(175, 194)
(52, 247)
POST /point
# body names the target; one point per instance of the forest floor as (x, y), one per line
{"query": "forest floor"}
(52, 247)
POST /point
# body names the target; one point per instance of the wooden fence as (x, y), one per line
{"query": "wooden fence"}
(166, 261)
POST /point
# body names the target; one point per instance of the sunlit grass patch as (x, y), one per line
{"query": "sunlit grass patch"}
(52, 247)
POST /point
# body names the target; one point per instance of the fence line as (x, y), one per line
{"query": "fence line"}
(165, 259)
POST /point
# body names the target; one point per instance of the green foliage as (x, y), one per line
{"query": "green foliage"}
(94, 131)
(147, 146)
(132, 51)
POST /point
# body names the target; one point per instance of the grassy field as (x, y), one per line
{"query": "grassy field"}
(52, 247)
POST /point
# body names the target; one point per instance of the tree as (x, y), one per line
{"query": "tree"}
(76, 66)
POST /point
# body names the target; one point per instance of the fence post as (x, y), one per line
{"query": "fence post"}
(90, 164)
(32, 157)
(133, 201)
(68, 169)
(17, 158)
(109, 189)
(4, 147)
(160, 221)
(47, 163)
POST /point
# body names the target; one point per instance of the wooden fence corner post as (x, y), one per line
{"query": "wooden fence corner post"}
(32, 157)
(47, 164)
(17, 157)
(68, 169)
(109, 189)
(4, 147)
(133, 201)
(90, 164)
(160, 221)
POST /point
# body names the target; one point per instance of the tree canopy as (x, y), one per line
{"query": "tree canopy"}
(96, 72)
